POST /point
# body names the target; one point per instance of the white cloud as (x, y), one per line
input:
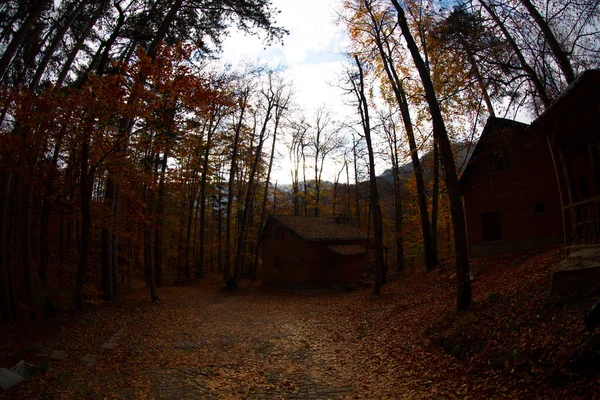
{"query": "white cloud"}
(311, 54)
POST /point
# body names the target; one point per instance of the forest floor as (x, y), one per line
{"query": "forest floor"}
(258, 343)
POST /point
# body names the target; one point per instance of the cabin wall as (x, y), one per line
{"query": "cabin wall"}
(515, 194)
(297, 258)
(305, 263)
(346, 270)
(578, 161)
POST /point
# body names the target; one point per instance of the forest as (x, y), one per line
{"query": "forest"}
(129, 154)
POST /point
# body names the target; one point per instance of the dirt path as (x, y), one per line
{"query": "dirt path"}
(407, 343)
(252, 345)
(200, 342)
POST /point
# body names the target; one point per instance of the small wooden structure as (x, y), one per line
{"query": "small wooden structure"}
(510, 193)
(303, 252)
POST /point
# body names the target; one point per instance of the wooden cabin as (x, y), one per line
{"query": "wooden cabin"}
(303, 252)
(510, 192)
(570, 129)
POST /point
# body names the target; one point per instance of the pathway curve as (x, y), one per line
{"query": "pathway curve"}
(200, 342)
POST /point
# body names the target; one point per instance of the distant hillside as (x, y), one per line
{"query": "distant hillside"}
(464, 152)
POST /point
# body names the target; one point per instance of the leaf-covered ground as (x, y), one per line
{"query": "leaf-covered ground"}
(258, 343)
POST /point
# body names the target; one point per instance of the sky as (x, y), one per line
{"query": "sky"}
(312, 55)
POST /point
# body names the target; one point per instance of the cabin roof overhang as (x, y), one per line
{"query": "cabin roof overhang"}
(582, 94)
(318, 229)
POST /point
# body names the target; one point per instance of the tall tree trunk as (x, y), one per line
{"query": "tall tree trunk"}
(531, 74)
(356, 197)
(559, 54)
(396, 83)
(232, 170)
(296, 195)
(163, 28)
(317, 180)
(477, 74)
(80, 42)
(435, 203)
(114, 245)
(125, 126)
(305, 183)
(275, 197)
(263, 213)
(398, 221)
(185, 272)
(26, 242)
(440, 133)
(106, 253)
(373, 193)
(247, 211)
(99, 63)
(395, 159)
(20, 35)
(214, 123)
(85, 190)
(348, 203)
(147, 231)
(56, 41)
(220, 226)
(7, 300)
(159, 228)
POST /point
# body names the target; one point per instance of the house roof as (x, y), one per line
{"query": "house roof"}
(492, 126)
(584, 91)
(320, 228)
(347, 249)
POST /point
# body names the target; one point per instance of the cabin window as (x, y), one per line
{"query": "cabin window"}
(499, 160)
(276, 262)
(331, 262)
(491, 226)
(584, 190)
(540, 208)
(278, 234)
(301, 262)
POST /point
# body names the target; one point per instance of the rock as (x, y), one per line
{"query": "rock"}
(109, 345)
(58, 355)
(24, 369)
(89, 360)
(9, 378)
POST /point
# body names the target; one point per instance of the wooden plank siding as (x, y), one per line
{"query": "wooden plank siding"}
(514, 193)
(306, 263)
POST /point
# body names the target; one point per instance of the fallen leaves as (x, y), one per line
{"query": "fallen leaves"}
(406, 343)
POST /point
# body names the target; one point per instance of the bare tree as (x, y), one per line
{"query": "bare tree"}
(382, 34)
(298, 131)
(389, 128)
(358, 87)
(325, 141)
(441, 135)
